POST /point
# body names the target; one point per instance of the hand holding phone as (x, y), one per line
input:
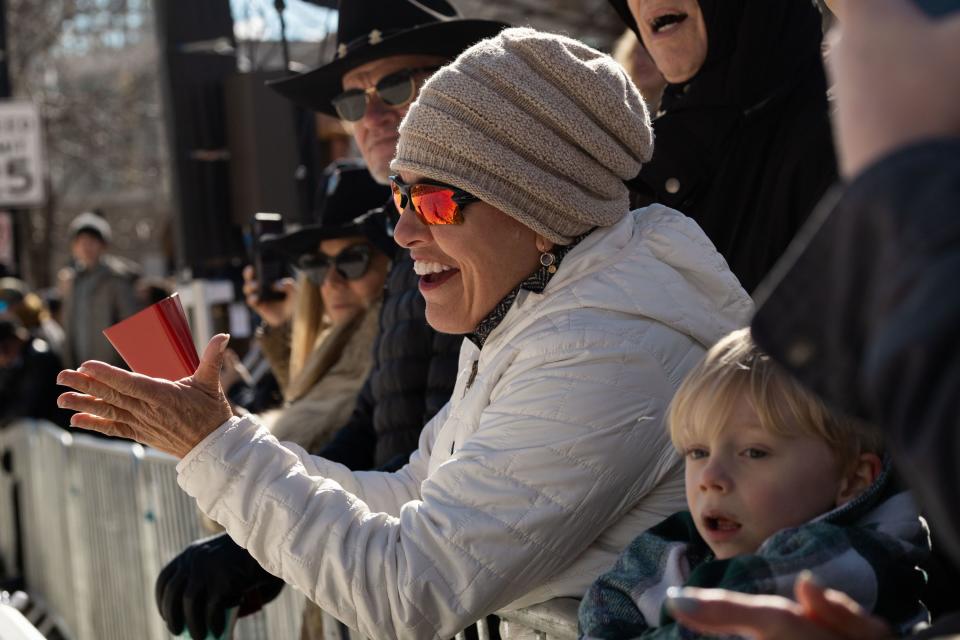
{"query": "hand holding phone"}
(275, 312)
(269, 266)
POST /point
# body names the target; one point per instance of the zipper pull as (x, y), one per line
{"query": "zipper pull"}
(473, 375)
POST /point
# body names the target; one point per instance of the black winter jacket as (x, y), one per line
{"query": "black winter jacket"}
(413, 373)
(745, 146)
(865, 310)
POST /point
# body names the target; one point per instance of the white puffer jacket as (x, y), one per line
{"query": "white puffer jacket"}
(533, 477)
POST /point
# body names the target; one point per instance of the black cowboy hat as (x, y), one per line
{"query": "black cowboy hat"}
(374, 29)
(350, 203)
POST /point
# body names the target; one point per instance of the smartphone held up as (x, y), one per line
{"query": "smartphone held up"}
(269, 265)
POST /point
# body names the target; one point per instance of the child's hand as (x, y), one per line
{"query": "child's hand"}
(818, 614)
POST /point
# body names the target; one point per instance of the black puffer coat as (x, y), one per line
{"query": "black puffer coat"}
(745, 146)
(413, 373)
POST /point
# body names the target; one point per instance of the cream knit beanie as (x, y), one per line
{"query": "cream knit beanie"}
(538, 125)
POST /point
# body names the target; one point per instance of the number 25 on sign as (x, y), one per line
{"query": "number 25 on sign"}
(21, 155)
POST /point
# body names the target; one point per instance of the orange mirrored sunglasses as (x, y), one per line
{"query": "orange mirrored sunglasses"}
(432, 202)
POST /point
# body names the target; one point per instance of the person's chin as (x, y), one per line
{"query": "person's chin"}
(445, 321)
(342, 314)
(674, 62)
(380, 169)
(679, 76)
(378, 160)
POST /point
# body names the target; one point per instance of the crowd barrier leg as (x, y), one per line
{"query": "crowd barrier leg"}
(48, 545)
(11, 549)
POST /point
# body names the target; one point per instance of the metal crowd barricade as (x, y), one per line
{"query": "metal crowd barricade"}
(552, 620)
(100, 518)
(8, 531)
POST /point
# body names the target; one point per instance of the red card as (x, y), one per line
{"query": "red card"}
(156, 341)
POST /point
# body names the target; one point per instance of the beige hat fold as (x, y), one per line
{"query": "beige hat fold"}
(538, 125)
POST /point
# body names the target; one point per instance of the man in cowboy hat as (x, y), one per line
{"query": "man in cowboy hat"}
(385, 50)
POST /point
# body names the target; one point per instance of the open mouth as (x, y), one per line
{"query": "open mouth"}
(666, 22)
(433, 273)
(437, 278)
(721, 524)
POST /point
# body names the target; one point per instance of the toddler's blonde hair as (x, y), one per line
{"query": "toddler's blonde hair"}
(735, 367)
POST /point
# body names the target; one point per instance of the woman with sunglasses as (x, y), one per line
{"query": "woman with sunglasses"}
(318, 338)
(580, 320)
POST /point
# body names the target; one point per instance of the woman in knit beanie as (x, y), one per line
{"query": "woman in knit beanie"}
(581, 319)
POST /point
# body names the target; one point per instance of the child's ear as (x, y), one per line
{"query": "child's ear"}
(863, 473)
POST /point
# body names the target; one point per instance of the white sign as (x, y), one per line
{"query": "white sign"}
(21, 155)
(6, 240)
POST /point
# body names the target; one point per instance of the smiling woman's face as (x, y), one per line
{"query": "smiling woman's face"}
(674, 33)
(466, 269)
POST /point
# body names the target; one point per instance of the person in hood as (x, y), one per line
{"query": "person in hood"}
(580, 319)
(632, 55)
(777, 484)
(744, 145)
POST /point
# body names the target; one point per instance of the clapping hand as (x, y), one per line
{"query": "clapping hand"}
(170, 416)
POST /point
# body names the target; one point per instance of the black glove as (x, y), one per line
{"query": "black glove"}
(207, 578)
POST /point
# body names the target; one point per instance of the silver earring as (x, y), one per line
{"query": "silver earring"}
(549, 261)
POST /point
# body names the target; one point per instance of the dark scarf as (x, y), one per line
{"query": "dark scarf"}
(535, 282)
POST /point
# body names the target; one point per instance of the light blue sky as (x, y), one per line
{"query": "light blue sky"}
(257, 20)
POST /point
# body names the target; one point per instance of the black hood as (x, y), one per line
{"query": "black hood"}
(756, 49)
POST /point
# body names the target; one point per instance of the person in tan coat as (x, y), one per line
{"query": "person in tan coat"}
(319, 337)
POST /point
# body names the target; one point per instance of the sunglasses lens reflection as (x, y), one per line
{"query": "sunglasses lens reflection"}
(351, 105)
(435, 204)
(351, 263)
(398, 198)
(396, 90)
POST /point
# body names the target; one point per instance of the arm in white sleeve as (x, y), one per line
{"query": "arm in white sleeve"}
(570, 441)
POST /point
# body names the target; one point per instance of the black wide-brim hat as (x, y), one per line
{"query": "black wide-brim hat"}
(373, 29)
(350, 204)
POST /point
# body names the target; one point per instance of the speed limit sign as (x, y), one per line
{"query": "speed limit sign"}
(21, 155)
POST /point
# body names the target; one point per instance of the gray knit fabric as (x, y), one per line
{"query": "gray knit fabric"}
(538, 125)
